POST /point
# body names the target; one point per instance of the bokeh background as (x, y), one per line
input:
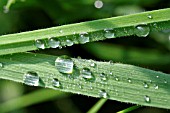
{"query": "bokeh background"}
(152, 52)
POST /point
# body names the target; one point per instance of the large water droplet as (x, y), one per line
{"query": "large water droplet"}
(31, 78)
(87, 74)
(56, 83)
(40, 44)
(64, 64)
(69, 42)
(145, 85)
(103, 76)
(109, 33)
(98, 4)
(156, 86)
(84, 38)
(142, 30)
(103, 93)
(147, 99)
(53, 43)
(1, 65)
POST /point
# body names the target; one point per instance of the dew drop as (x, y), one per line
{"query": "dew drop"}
(69, 43)
(93, 64)
(147, 99)
(40, 44)
(98, 4)
(150, 16)
(165, 81)
(53, 43)
(142, 30)
(31, 78)
(103, 93)
(56, 83)
(129, 80)
(64, 64)
(145, 85)
(1, 65)
(108, 33)
(103, 76)
(116, 78)
(61, 31)
(84, 38)
(87, 74)
(156, 86)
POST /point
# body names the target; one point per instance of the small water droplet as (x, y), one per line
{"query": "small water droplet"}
(61, 31)
(84, 38)
(53, 43)
(56, 83)
(1, 65)
(69, 42)
(40, 44)
(129, 80)
(109, 33)
(64, 64)
(103, 76)
(93, 64)
(87, 74)
(157, 76)
(145, 85)
(165, 81)
(156, 86)
(142, 30)
(116, 78)
(150, 81)
(150, 16)
(31, 78)
(98, 4)
(103, 93)
(147, 99)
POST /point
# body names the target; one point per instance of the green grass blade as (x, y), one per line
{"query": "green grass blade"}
(122, 25)
(97, 106)
(129, 109)
(124, 83)
(30, 99)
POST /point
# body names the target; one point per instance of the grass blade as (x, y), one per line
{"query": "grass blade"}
(129, 109)
(122, 25)
(121, 82)
(97, 106)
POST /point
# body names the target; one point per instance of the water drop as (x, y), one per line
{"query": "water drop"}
(84, 38)
(103, 76)
(31, 78)
(150, 16)
(53, 43)
(1, 65)
(142, 30)
(64, 64)
(93, 64)
(69, 43)
(61, 31)
(145, 85)
(108, 33)
(56, 83)
(147, 99)
(129, 80)
(103, 93)
(165, 81)
(40, 44)
(116, 78)
(156, 86)
(87, 74)
(98, 4)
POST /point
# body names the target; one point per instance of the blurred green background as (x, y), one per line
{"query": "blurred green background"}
(152, 52)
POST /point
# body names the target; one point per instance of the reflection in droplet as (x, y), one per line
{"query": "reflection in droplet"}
(103, 93)
(31, 78)
(64, 64)
(56, 83)
(40, 44)
(87, 74)
(53, 43)
(147, 99)
(98, 4)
